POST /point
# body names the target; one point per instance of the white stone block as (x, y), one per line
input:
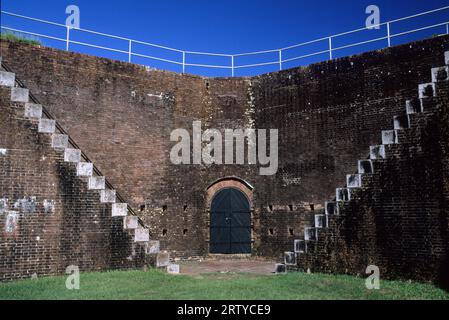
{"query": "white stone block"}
(300, 246)
(354, 181)
(96, 183)
(342, 194)
(331, 208)
(427, 90)
(366, 167)
(440, 74)
(7, 79)
(153, 247)
(108, 196)
(131, 222)
(389, 137)
(119, 209)
(46, 126)
(413, 106)
(400, 122)
(162, 259)
(310, 234)
(141, 235)
(72, 155)
(59, 141)
(20, 95)
(33, 110)
(280, 268)
(377, 152)
(290, 258)
(173, 269)
(84, 169)
(321, 221)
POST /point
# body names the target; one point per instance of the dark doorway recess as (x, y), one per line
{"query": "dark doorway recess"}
(230, 223)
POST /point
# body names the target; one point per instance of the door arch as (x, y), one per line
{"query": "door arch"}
(230, 223)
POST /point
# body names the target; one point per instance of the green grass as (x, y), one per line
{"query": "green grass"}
(16, 37)
(154, 285)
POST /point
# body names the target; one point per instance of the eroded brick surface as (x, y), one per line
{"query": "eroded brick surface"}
(328, 114)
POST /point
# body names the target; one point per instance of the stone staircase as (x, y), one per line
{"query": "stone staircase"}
(416, 112)
(34, 112)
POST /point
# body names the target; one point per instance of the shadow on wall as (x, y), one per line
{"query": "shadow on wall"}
(443, 281)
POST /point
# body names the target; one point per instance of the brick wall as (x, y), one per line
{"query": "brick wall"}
(328, 115)
(399, 221)
(48, 218)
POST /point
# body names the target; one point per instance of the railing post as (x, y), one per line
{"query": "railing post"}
(183, 62)
(389, 34)
(331, 56)
(67, 42)
(232, 66)
(280, 60)
(130, 44)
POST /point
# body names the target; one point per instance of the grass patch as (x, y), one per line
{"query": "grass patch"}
(20, 38)
(155, 285)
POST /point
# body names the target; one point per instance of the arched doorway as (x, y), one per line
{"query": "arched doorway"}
(230, 223)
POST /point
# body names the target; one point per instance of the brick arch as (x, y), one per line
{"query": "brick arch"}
(230, 182)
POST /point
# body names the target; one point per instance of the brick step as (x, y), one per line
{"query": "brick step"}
(310, 234)
(131, 222)
(378, 152)
(47, 126)
(96, 183)
(84, 169)
(20, 95)
(390, 137)
(321, 221)
(345, 194)
(108, 196)
(290, 259)
(7, 79)
(72, 155)
(440, 74)
(354, 180)
(401, 122)
(396, 142)
(300, 246)
(33, 111)
(141, 235)
(427, 90)
(280, 268)
(163, 259)
(119, 209)
(153, 247)
(59, 141)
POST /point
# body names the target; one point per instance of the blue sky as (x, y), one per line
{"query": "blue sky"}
(231, 26)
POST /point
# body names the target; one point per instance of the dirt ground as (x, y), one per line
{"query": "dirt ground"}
(227, 266)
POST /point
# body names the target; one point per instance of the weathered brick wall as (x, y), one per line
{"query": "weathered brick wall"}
(328, 114)
(399, 221)
(59, 222)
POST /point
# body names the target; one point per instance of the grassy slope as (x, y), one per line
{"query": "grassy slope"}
(21, 38)
(157, 286)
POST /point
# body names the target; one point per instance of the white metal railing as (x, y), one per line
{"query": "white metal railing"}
(232, 66)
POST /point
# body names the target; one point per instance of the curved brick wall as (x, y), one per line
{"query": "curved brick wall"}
(328, 115)
(49, 219)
